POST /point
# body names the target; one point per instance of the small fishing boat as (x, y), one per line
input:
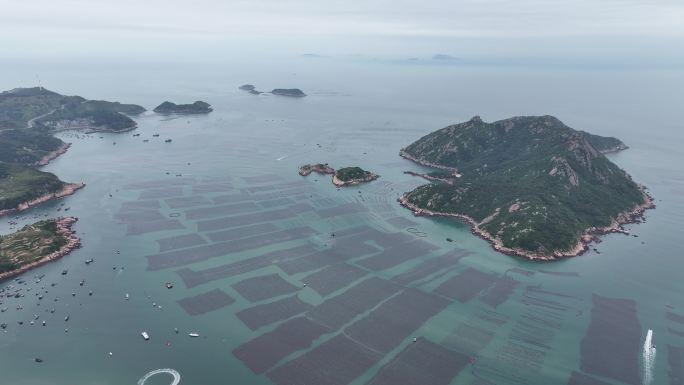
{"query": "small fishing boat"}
(193, 335)
(145, 336)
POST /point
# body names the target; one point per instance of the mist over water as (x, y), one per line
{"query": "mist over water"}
(360, 110)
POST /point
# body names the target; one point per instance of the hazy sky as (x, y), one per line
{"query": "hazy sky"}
(525, 27)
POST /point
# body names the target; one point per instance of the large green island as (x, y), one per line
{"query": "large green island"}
(42, 110)
(531, 186)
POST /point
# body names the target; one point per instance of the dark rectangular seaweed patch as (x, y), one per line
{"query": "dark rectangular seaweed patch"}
(242, 232)
(138, 228)
(401, 222)
(202, 253)
(191, 201)
(394, 256)
(139, 216)
(264, 287)
(138, 205)
(675, 360)
(503, 288)
(613, 341)
(265, 314)
(194, 278)
(394, 320)
(469, 339)
(162, 193)
(267, 204)
(578, 378)
(339, 252)
(466, 285)
(205, 302)
(675, 317)
(180, 242)
(339, 310)
(333, 278)
(221, 211)
(430, 267)
(421, 363)
(158, 183)
(244, 220)
(262, 178)
(347, 208)
(231, 198)
(264, 351)
(212, 187)
(337, 361)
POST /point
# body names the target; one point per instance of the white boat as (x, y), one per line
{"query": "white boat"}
(145, 336)
(194, 335)
(127, 296)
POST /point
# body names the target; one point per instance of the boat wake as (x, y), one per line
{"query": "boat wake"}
(174, 373)
(648, 357)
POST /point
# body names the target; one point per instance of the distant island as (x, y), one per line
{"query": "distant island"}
(247, 87)
(345, 176)
(36, 244)
(292, 92)
(531, 186)
(198, 107)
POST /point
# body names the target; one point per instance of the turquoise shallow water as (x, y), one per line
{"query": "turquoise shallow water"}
(536, 324)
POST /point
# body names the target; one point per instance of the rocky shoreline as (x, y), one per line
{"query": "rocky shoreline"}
(410, 157)
(64, 228)
(68, 189)
(319, 168)
(429, 177)
(53, 155)
(636, 215)
(339, 183)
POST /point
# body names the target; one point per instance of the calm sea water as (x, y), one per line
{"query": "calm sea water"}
(536, 324)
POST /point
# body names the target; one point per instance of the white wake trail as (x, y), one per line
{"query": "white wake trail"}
(648, 357)
(174, 373)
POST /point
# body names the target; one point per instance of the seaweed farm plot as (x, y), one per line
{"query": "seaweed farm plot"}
(333, 278)
(394, 320)
(204, 252)
(193, 278)
(675, 361)
(466, 285)
(264, 287)
(206, 302)
(265, 314)
(337, 361)
(430, 267)
(264, 351)
(520, 358)
(612, 344)
(422, 362)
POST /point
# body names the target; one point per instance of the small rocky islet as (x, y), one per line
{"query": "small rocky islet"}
(346, 176)
(290, 92)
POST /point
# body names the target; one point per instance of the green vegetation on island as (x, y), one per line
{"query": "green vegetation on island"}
(352, 175)
(292, 92)
(532, 186)
(40, 109)
(26, 147)
(198, 107)
(20, 184)
(36, 244)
